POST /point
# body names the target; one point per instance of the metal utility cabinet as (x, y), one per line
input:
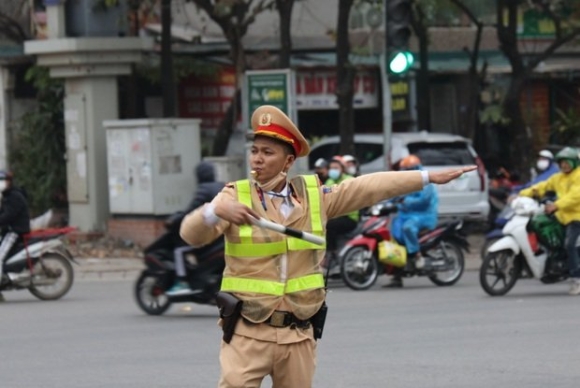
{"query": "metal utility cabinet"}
(151, 164)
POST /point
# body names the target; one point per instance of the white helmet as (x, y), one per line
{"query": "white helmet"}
(546, 154)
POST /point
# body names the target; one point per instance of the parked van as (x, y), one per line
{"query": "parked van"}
(465, 197)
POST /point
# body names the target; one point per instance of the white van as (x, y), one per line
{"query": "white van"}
(466, 197)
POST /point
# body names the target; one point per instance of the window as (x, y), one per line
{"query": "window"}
(442, 154)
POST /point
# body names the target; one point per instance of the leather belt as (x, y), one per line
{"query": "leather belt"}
(285, 319)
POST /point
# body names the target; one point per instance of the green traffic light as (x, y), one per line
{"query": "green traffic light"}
(401, 62)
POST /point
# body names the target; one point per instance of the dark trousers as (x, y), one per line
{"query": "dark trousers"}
(336, 227)
(572, 234)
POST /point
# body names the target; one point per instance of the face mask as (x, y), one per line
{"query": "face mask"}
(351, 170)
(274, 182)
(3, 185)
(542, 164)
(334, 174)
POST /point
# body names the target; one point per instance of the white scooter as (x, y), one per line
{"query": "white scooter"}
(519, 249)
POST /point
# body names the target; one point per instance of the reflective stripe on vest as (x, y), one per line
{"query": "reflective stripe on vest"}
(268, 287)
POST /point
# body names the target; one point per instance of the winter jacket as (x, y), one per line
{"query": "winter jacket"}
(14, 211)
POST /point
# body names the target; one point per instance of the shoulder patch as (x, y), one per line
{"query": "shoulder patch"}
(326, 189)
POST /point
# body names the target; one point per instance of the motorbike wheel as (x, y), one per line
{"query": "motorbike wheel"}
(452, 254)
(52, 277)
(499, 272)
(359, 271)
(150, 294)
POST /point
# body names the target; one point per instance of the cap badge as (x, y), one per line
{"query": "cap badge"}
(265, 119)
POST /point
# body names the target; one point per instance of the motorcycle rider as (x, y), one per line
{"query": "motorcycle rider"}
(351, 165)
(546, 166)
(417, 211)
(207, 189)
(14, 220)
(321, 169)
(566, 208)
(345, 223)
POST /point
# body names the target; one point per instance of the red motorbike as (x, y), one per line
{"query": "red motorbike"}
(442, 248)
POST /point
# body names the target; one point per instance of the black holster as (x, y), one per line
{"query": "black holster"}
(318, 319)
(230, 309)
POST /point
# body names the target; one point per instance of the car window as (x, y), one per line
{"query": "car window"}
(442, 154)
(326, 151)
(367, 152)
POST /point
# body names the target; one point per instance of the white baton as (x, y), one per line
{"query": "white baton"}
(263, 223)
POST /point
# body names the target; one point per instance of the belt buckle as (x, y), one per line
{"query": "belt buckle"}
(277, 319)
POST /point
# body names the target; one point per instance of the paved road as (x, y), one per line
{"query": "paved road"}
(420, 336)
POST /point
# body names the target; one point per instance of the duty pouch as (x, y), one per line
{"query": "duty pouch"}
(317, 321)
(230, 309)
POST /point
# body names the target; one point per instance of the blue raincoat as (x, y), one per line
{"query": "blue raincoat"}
(417, 211)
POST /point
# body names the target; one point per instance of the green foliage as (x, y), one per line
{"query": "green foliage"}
(37, 146)
(566, 128)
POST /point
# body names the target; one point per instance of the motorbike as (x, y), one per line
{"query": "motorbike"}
(496, 233)
(442, 247)
(204, 267)
(41, 264)
(521, 251)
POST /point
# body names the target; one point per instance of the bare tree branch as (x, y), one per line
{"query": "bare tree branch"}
(555, 45)
(11, 29)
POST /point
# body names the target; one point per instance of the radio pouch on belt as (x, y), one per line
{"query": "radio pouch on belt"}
(317, 321)
(230, 309)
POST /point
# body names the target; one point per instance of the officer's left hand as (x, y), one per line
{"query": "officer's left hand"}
(445, 176)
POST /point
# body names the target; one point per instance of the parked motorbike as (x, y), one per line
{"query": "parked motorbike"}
(521, 251)
(41, 264)
(204, 268)
(442, 247)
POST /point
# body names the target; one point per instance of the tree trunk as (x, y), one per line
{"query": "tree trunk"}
(230, 120)
(521, 142)
(167, 81)
(285, 12)
(344, 80)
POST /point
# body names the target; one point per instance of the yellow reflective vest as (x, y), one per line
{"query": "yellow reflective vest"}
(269, 268)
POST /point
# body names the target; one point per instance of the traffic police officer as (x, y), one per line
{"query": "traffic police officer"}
(279, 278)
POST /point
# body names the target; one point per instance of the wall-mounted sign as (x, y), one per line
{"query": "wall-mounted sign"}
(315, 89)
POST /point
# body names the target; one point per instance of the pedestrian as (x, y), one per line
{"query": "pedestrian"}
(273, 280)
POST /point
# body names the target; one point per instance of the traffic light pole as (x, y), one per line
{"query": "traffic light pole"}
(387, 111)
(387, 99)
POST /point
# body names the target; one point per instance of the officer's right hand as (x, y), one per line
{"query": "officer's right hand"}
(235, 212)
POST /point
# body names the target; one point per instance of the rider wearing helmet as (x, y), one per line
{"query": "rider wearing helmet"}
(566, 208)
(546, 166)
(417, 211)
(14, 218)
(351, 165)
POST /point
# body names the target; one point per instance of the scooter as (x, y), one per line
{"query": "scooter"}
(204, 267)
(520, 251)
(442, 247)
(41, 264)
